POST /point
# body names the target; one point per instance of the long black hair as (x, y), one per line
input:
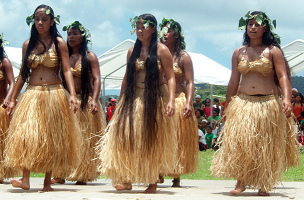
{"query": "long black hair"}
(151, 92)
(2, 51)
(25, 73)
(85, 69)
(267, 40)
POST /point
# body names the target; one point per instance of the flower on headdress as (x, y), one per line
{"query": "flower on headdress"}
(260, 18)
(84, 32)
(134, 21)
(4, 42)
(165, 25)
(30, 19)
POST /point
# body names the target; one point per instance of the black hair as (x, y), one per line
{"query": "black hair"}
(25, 73)
(209, 127)
(216, 100)
(267, 40)
(85, 70)
(178, 47)
(217, 110)
(2, 51)
(151, 92)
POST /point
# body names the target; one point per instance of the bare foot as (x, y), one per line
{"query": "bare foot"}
(176, 182)
(151, 189)
(239, 188)
(80, 183)
(124, 186)
(47, 188)
(262, 193)
(21, 184)
(57, 180)
(160, 179)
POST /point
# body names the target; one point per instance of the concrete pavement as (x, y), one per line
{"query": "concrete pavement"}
(103, 190)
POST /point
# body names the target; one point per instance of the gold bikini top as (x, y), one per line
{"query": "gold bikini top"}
(77, 70)
(262, 65)
(48, 59)
(140, 64)
(177, 70)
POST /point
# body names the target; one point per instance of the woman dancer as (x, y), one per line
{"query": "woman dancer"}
(171, 36)
(85, 69)
(258, 141)
(140, 142)
(43, 135)
(6, 78)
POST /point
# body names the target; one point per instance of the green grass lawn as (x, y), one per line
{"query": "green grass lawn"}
(203, 172)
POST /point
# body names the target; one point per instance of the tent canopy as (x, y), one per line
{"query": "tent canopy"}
(294, 54)
(113, 66)
(15, 56)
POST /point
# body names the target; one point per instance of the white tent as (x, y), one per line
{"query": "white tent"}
(15, 56)
(294, 54)
(113, 65)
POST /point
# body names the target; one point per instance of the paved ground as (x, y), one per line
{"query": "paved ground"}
(103, 190)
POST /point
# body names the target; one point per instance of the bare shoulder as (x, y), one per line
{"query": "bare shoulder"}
(61, 42)
(275, 50)
(25, 44)
(161, 47)
(91, 55)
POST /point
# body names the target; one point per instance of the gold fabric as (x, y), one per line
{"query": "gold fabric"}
(257, 142)
(187, 139)
(48, 59)
(122, 164)
(177, 70)
(5, 172)
(77, 70)
(262, 65)
(43, 134)
(92, 128)
(140, 64)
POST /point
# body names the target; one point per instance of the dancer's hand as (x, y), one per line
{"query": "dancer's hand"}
(187, 111)
(9, 109)
(286, 106)
(73, 103)
(170, 109)
(93, 106)
(5, 103)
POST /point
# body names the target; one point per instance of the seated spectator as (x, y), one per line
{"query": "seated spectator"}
(215, 115)
(217, 104)
(202, 141)
(294, 91)
(199, 118)
(210, 137)
(203, 126)
(207, 107)
(298, 107)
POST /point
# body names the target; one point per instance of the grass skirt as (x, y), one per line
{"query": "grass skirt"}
(257, 143)
(5, 172)
(92, 127)
(187, 139)
(140, 165)
(43, 135)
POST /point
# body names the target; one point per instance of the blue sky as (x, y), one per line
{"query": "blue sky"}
(210, 27)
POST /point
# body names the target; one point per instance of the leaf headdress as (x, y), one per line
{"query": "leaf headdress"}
(4, 42)
(135, 20)
(30, 19)
(165, 25)
(260, 18)
(84, 32)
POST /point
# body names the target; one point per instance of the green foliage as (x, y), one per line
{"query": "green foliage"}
(205, 91)
(4, 42)
(84, 32)
(135, 20)
(30, 19)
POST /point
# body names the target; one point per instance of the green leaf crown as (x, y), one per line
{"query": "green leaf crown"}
(135, 20)
(260, 18)
(30, 20)
(165, 25)
(84, 32)
(3, 41)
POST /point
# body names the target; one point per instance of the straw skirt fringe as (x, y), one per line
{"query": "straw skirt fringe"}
(43, 135)
(5, 172)
(187, 139)
(92, 127)
(138, 166)
(257, 144)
